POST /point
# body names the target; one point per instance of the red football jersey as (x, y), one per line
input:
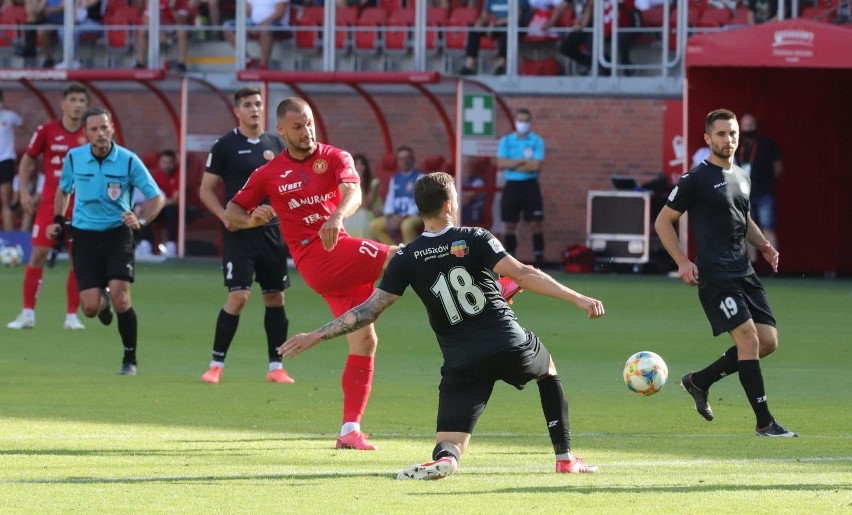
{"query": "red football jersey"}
(53, 141)
(303, 193)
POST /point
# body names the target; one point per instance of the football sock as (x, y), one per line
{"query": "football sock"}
(72, 293)
(752, 380)
(555, 408)
(356, 382)
(538, 247)
(275, 365)
(128, 331)
(348, 427)
(510, 241)
(32, 283)
(444, 449)
(226, 328)
(724, 366)
(275, 322)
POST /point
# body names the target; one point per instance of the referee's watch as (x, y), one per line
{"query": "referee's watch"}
(142, 222)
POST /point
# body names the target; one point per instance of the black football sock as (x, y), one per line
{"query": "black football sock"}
(538, 248)
(555, 408)
(511, 243)
(275, 322)
(226, 328)
(724, 366)
(127, 328)
(445, 449)
(752, 381)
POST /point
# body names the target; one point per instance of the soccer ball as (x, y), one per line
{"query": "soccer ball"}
(645, 373)
(11, 256)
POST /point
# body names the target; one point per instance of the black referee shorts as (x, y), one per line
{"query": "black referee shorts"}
(521, 197)
(7, 171)
(728, 303)
(464, 391)
(255, 254)
(101, 256)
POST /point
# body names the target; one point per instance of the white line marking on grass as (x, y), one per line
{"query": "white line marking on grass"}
(310, 473)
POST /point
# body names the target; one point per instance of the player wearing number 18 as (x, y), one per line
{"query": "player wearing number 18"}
(312, 187)
(716, 195)
(452, 270)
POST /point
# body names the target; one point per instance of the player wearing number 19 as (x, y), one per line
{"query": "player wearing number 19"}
(312, 187)
(450, 269)
(716, 195)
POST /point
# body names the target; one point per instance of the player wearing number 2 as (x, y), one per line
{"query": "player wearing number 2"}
(716, 195)
(312, 187)
(450, 269)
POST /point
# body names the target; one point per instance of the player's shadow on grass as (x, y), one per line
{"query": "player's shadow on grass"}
(307, 477)
(574, 489)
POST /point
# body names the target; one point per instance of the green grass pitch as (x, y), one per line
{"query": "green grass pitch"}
(76, 437)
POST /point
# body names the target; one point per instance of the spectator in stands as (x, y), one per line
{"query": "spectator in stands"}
(762, 11)
(358, 224)
(760, 158)
(89, 20)
(8, 121)
(168, 179)
(44, 12)
(495, 17)
(172, 12)
(520, 155)
(401, 218)
(577, 45)
(545, 16)
(263, 17)
(208, 12)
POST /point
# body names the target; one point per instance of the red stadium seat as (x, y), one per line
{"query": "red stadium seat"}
(308, 25)
(398, 37)
(119, 28)
(714, 17)
(455, 38)
(740, 17)
(344, 18)
(11, 16)
(371, 27)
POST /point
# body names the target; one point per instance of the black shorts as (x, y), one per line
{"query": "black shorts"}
(728, 303)
(521, 197)
(7, 171)
(464, 391)
(255, 254)
(101, 256)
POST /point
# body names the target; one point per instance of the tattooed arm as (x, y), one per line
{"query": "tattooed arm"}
(354, 319)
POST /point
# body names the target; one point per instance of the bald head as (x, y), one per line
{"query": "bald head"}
(292, 105)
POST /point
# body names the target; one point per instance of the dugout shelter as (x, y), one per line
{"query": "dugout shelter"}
(795, 76)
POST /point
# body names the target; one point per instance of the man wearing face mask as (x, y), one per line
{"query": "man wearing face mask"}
(760, 157)
(520, 156)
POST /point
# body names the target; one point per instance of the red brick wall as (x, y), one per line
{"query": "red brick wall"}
(588, 139)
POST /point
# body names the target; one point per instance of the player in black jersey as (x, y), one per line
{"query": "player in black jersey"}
(716, 195)
(250, 254)
(452, 270)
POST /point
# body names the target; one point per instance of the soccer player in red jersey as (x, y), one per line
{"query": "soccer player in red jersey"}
(52, 141)
(312, 187)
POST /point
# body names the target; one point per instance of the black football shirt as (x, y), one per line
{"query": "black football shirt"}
(452, 274)
(717, 201)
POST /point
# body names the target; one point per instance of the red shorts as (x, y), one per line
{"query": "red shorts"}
(43, 218)
(346, 276)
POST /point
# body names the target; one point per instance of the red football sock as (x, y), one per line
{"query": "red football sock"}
(356, 382)
(72, 293)
(32, 283)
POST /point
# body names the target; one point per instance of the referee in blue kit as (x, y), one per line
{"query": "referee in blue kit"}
(103, 175)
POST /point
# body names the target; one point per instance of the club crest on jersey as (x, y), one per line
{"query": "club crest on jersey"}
(320, 166)
(113, 190)
(268, 155)
(744, 188)
(459, 249)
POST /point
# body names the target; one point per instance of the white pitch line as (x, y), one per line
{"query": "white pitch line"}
(392, 472)
(315, 436)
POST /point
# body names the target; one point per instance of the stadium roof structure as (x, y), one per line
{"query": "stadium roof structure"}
(795, 43)
(795, 77)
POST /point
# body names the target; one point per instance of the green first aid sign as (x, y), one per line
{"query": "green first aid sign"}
(478, 115)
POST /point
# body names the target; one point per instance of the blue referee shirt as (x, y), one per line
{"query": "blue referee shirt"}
(103, 190)
(513, 146)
